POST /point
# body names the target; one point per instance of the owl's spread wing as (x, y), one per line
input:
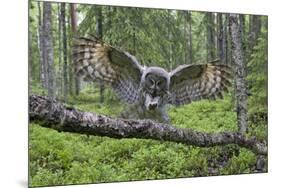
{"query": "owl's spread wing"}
(202, 81)
(97, 61)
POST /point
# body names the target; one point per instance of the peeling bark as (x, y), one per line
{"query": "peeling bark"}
(52, 114)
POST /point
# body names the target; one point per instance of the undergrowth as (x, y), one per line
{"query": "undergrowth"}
(67, 158)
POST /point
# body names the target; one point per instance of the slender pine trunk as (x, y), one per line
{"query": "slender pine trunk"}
(220, 38)
(70, 67)
(188, 31)
(64, 43)
(227, 58)
(74, 30)
(49, 51)
(41, 48)
(60, 80)
(211, 48)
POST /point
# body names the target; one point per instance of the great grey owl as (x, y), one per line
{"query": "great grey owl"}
(148, 90)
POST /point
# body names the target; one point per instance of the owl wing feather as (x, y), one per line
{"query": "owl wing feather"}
(199, 81)
(98, 61)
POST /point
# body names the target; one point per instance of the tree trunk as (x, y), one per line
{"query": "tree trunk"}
(48, 44)
(169, 37)
(74, 30)
(65, 67)
(242, 30)
(211, 47)
(133, 23)
(254, 32)
(190, 38)
(220, 38)
(41, 49)
(189, 54)
(60, 80)
(71, 77)
(99, 33)
(255, 28)
(29, 54)
(243, 39)
(240, 86)
(54, 115)
(110, 13)
(226, 40)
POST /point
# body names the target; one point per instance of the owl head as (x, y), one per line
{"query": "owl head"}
(154, 87)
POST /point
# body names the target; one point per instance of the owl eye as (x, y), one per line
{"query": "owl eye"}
(159, 82)
(151, 81)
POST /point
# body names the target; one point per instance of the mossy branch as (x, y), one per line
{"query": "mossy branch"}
(55, 115)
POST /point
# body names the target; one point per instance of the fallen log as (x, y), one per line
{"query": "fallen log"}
(55, 115)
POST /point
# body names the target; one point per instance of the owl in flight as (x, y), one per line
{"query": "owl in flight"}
(148, 90)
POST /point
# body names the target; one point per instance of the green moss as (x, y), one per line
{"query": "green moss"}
(243, 163)
(206, 116)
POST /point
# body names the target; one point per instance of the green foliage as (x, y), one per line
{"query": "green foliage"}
(243, 163)
(207, 116)
(36, 88)
(257, 78)
(257, 81)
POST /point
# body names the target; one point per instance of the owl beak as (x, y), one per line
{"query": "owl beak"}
(151, 103)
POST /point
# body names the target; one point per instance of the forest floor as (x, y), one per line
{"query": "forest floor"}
(58, 158)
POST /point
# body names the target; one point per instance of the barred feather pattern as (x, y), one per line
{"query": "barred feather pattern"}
(95, 60)
(196, 82)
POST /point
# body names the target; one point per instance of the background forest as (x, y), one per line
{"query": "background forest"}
(165, 38)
